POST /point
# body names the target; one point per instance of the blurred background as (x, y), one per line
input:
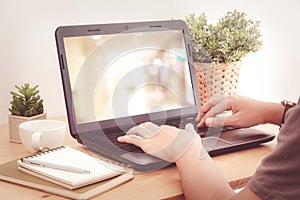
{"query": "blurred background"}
(28, 50)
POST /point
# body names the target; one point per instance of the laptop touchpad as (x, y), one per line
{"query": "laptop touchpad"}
(210, 143)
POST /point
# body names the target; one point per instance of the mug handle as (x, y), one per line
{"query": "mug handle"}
(35, 140)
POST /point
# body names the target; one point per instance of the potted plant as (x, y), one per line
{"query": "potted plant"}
(218, 49)
(26, 105)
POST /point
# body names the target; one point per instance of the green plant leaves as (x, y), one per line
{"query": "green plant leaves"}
(230, 39)
(26, 102)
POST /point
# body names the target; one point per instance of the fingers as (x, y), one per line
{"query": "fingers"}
(214, 100)
(165, 142)
(145, 130)
(201, 123)
(131, 139)
(137, 134)
(218, 122)
(151, 126)
(213, 107)
(217, 109)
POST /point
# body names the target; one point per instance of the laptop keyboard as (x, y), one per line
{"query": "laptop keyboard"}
(202, 131)
(113, 137)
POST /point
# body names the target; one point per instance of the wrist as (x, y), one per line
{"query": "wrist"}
(287, 105)
(273, 113)
(195, 151)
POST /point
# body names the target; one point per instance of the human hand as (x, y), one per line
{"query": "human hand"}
(246, 112)
(165, 142)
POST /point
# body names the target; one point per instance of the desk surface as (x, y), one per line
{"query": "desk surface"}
(237, 167)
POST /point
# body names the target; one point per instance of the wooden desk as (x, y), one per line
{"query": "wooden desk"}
(237, 167)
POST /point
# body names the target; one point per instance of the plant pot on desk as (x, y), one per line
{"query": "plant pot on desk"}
(14, 121)
(225, 43)
(212, 79)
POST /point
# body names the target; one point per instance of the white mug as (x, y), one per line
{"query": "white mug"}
(38, 134)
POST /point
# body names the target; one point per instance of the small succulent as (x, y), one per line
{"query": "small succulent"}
(229, 40)
(26, 102)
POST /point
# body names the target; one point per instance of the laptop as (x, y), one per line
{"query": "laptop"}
(116, 76)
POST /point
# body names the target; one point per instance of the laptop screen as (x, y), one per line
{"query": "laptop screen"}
(128, 74)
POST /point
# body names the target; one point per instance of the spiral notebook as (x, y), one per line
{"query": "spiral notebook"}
(10, 173)
(93, 169)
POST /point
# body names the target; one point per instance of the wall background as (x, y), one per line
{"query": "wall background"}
(28, 51)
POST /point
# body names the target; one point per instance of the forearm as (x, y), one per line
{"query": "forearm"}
(200, 177)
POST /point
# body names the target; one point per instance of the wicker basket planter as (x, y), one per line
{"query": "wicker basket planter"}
(214, 79)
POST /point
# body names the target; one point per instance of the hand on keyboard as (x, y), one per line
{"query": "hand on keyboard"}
(246, 112)
(165, 142)
(202, 131)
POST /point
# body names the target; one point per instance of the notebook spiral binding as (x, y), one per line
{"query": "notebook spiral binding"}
(44, 151)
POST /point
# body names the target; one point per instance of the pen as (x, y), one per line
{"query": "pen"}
(55, 166)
